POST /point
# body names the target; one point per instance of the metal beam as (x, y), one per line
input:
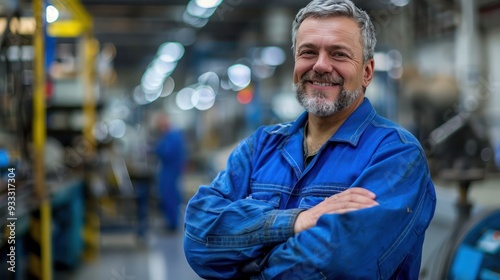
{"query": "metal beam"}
(39, 139)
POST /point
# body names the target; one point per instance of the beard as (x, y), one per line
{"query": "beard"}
(317, 103)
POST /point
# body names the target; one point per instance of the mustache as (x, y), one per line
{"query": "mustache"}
(323, 78)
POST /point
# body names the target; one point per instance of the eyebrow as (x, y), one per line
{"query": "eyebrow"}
(335, 47)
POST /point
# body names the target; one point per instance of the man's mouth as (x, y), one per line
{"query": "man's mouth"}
(323, 84)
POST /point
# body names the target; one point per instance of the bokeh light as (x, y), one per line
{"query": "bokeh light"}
(184, 98)
(52, 14)
(239, 75)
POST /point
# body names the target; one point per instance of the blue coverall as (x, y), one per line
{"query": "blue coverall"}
(241, 225)
(171, 151)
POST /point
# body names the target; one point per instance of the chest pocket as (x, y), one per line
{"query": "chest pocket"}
(269, 197)
(312, 196)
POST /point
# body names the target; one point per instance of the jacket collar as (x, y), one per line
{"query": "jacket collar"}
(349, 132)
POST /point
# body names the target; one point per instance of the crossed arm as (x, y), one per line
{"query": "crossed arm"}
(349, 200)
(225, 231)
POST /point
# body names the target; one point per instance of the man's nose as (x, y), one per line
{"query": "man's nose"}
(323, 64)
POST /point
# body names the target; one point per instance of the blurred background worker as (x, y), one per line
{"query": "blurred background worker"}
(171, 152)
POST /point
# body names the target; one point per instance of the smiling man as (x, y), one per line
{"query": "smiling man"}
(340, 193)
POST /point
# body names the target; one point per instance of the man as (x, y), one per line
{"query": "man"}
(171, 151)
(340, 193)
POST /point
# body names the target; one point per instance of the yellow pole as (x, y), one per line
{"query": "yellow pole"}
(90, 51)
(90, 48)
(39, 139)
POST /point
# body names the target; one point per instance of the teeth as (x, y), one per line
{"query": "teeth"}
(323, 84)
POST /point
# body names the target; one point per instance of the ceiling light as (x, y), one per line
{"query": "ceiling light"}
(170, 52)
(194, 21)
(52, 14)
(162, 68)
(168, 87)
(117, 128)
(208, 4)
(184, 97)
(139, 96)
(239, 75)
(210, 79)
(273, 56)
(203, 98)
(400, 3)
(199, 12)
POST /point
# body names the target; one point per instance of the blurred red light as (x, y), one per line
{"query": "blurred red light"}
(245, 96)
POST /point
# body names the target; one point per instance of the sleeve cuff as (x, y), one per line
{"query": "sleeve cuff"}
(280, 223)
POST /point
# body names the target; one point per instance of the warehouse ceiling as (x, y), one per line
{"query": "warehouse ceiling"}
(138, 27)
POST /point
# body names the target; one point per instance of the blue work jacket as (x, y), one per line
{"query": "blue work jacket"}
(241, 225)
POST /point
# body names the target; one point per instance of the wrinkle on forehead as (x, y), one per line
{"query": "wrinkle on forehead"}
(332, 31)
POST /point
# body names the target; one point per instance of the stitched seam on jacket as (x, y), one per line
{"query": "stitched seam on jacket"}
(362, 127)
(408, 228)
(194, 239)
(401, 135)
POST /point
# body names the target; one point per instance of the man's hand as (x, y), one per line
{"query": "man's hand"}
(346, 201)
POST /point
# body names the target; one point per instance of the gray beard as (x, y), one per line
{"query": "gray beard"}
(317, 104)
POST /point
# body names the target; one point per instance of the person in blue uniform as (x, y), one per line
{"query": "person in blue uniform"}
(171, 152)
(339, 193)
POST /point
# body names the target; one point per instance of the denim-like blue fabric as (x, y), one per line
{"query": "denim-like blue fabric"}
(241, 225)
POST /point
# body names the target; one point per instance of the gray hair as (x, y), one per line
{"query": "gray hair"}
(329, 8)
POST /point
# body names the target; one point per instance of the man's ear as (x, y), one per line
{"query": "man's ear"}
(368, 70)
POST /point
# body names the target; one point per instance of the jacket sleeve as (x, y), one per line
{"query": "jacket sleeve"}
(369, 243)
(225, 228)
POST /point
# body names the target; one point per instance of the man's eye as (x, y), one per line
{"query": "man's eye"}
(339, 54)
(307, 52)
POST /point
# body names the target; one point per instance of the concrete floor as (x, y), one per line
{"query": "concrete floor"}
(161, 257)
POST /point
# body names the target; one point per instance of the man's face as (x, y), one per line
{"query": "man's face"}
(329, 74)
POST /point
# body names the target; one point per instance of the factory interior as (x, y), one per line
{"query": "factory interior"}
(83, 83)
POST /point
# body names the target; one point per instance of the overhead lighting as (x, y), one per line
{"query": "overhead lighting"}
(262, 71)
(210, 79)
(194, 21)
(162, 68)
(138, 96)
(170, 52)
(273, 56)
(197, 11)
(240, 75)
(400, 3)
(52, 14)
(184, 98)
(117, 128)
(151, 81)
(203, 98)
(208, 4)
(168, 87)
(395, 57)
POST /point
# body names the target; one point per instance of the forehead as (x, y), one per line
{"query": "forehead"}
(329, 30)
